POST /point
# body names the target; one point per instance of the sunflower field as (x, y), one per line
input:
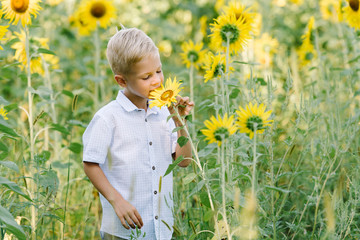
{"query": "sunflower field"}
(274, 130)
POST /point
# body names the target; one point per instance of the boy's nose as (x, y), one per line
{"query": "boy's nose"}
(157, 81)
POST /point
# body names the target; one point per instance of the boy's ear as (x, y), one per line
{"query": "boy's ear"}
(120, 80)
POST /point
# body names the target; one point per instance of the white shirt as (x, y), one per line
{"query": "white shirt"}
(133, 149)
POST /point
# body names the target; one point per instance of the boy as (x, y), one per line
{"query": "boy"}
(128, 146)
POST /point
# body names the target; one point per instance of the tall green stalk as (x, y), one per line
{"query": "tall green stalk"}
(31, 129)
(197, 160)
(98, 84)
(223, 187)
(191, 76)
(52, 105)
(253, 182)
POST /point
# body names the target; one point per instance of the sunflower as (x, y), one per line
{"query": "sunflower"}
(36, 60)
(227, 26)
(331, 10)
(192, 54)
(20, 9)
(352, 13)
(3, 113)
(215, 66)
(240, 12)
(253, 118)
(265, 47)
(97, 11)
(3, 31)
(203, 25)
(78, 21)
(54, 2)
(219, 129)
(165, 95)
(307, 51)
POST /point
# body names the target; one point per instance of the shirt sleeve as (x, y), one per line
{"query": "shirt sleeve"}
(96, 140)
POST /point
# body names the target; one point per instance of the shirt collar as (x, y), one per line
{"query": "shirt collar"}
(129, 106)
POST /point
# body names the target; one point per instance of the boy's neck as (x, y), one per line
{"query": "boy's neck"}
(141, 103)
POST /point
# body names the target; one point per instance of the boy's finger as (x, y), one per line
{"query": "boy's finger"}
(130, 222)
(124, 223)
(139, 217)
(135, 220)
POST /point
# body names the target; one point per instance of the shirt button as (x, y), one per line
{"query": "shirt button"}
(153, 167)
(155, 192)
(150, 143)
(145, 120)
(156, 217)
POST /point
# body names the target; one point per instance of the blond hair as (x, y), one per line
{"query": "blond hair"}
(127, 47)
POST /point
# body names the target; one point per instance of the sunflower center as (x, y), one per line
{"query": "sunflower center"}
(252, 121)
(231, 31)
(354, 4)
(219, 69)
(193, 56)
(221, 133)
(98, 10)
(309, 56)
(19, 6)
(167, 95)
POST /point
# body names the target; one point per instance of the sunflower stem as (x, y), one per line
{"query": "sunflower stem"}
(53, 111)
(191, 76)
(31, 128)
(253, 184)
(223, 188)
(97, 67)
(227, 74)
(197, 160)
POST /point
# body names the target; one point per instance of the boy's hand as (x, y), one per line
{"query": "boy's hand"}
(183, 106)
(127, 213)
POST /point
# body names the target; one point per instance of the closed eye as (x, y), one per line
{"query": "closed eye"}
(158, 71)
(146, 78)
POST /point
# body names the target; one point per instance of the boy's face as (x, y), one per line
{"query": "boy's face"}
(144, 77)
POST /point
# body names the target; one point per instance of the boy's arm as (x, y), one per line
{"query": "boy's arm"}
(184, 151)
(184, 110)
(123, 209)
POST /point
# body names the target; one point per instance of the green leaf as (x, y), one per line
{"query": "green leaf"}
(67, 93)
(205, 199)
(60, 128)
(10, 107)
(46, 51)
(198, 187)
(173, 165)
(182, 140)
(177, 129)
(208, 215)
(3, 147)
(10, 165)
(3, 101)
(234, 93)
(8, 130)
(170, 116)
(192, 237)
(188, 118)
(8, 220)
(75, 147)
(13, 186)
(277, 189)
(189, 178)
(207, 150)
